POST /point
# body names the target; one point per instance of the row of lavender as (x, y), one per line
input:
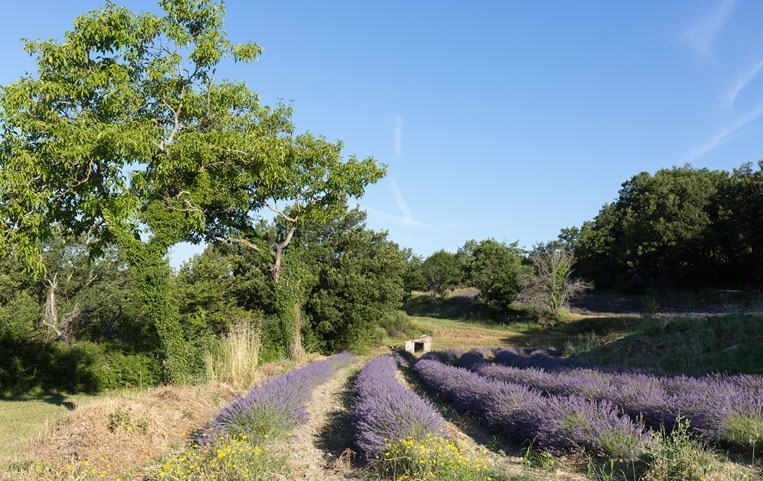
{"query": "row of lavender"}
(277, 405)
(557, 423)
(724, 409)
(385, 411)
(549, 360)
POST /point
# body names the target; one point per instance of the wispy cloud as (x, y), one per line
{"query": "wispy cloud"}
(745, 79)
(701, 34)
(400, 201)
(401, 220)
(407, 217)
(724, 134)
(398, 134)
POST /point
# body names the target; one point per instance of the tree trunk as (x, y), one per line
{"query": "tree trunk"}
(151, 272)
(297, 352)
(50, 311)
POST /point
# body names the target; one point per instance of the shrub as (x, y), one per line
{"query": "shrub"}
(434, 457)
(385, 411)
(675, 455)
(28, 365)
(230, 458)
(398, 324)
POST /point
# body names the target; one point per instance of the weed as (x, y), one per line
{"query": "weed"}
(676, 455)
(434, 457)
(607, 472)
(233, 359)
(539, 459)
(650, 307)
(120, 419)
(232, 458)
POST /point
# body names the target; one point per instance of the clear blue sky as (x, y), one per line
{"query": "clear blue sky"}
(501, 119)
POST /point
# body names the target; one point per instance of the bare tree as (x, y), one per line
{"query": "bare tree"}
(551, 284)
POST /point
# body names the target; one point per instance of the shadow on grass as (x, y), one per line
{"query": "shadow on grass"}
(691, 345)
(456, 307)
(54, 398)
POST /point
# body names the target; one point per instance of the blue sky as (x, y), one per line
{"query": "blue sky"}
(501, 119)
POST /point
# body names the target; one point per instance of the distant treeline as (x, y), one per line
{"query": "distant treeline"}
(681, 227)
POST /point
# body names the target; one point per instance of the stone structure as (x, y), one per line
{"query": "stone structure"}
(419, 345)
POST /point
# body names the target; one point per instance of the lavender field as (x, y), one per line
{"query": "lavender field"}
(536, 395)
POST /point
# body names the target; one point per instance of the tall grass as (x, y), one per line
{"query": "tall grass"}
(233, 359)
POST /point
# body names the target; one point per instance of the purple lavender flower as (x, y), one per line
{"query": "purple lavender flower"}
(447, 356)
(720, 408)
(275, 406)
(385, 411)
(559, 423)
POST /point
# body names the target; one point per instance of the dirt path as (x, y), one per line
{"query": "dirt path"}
(321, 450)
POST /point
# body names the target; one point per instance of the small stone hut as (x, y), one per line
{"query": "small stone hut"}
(419, 345)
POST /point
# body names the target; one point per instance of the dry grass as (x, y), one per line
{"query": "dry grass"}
(123, 433)
(116, 434)
(233, 360)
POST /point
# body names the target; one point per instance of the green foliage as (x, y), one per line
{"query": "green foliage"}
(678, 456)
(650, 307)
(680, 226)
(539, 459)
(33, 365)
(454, 307)
(74, 328)
(495, 269)
(398, 325)
(125, 128)
(358, 279)
(441, 273)
(413, 278)
(208, 294)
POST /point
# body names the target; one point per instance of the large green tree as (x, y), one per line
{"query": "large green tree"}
(494, 268)
(681, 227)
(125, 135)
(441, 273)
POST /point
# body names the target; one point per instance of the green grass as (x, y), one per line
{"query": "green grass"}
(727, 343)
(23, 418)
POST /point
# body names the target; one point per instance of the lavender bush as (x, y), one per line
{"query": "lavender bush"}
(720, 408)
(385, 411)
(558, 423)
(473, 358)
(447, 356)
(275, 406)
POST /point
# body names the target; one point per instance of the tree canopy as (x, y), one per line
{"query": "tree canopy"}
(681, 226)
(126, 135)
